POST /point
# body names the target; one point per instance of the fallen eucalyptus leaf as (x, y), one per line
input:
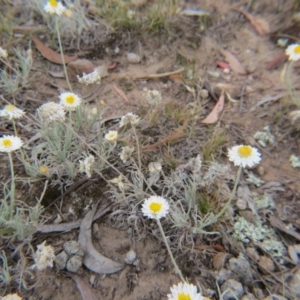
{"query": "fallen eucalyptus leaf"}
(92, 259)
(234, 63)
(51, 55)
(214, 114)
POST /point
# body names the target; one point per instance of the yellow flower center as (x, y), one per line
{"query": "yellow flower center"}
(156, 207)
(10, 107)
(53, 3)
(297, 49)
(245, 151)
(7, 143)
(182, 296)
(70, 99)
(44, 169)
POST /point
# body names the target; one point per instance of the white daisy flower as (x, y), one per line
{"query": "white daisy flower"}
(9, 143)
(11, 297)
(3, 53)
(51, 112)
(54, 7)
(69, 100)
(155, 207)
(43, 257)
(293, 52)
(90, 78)
(129, 118)
(11, 112)
(111, 136)
(244, 155)
(126, 153)
(184, 291)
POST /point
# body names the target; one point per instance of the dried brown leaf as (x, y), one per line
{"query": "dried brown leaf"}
(260, 25)
(51, 55)
(120, 93)
(293, 254)
(85, 290)
(234, 63)
(92, 259)
(277, 223)
(81, 66)
(213, 116)
(220, 260)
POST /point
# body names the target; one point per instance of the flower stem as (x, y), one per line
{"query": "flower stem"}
(170, 252)
(138, 147)
(15, 128)
(62, 54)
(289, 83)
(237, 179)
(12, 187)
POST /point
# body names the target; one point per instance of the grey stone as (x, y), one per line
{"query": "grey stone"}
(223, 275)
(232, 289)
(241, 269)
(73, 247)
(74, 263)
(130, 257)
(61, 260)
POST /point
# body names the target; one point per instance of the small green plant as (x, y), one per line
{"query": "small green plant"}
(216, 141)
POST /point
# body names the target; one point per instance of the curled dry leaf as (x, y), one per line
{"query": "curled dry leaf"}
(92, 259)
(85, 290)
(51, 55)
(213, 116)
(234, 63)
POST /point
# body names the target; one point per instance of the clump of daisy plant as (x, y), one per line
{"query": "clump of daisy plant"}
(157, 207)
(8, 144)
(293, 53)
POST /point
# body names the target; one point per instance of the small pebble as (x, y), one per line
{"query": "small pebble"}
(223, 275)
(261, 170)
(73, 247)
(74, 263)
(61, 260)
(133, 58)
(233, 288)
(130, 257)
(204, 94)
